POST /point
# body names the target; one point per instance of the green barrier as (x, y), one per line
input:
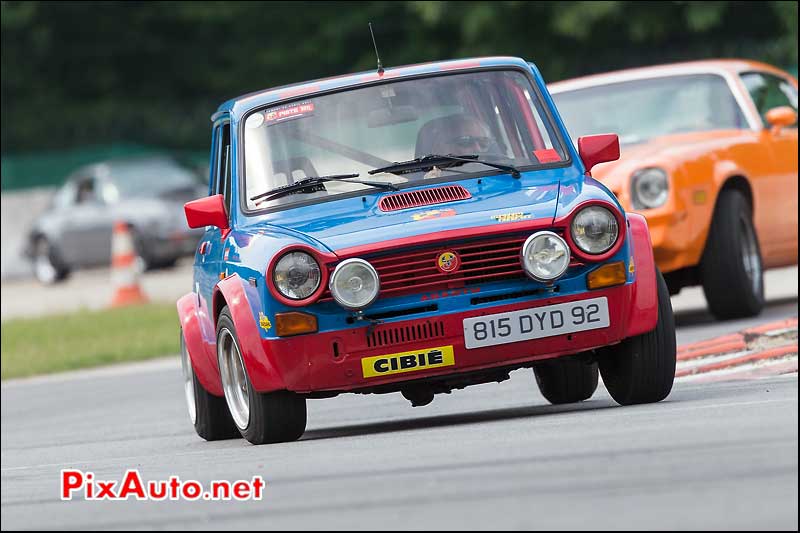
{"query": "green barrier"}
(42, 169)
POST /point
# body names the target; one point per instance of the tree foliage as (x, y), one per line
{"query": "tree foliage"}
(76, 73)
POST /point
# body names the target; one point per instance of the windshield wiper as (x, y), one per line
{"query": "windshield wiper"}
(441, 161)
(316, 180)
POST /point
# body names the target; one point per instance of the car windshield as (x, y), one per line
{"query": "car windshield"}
(643, 109)
(495, 115)
(149, 177)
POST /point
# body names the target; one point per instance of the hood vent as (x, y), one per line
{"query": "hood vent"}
(431, 196)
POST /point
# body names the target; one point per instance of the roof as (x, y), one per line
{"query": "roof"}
(719, 66)
(246, 102)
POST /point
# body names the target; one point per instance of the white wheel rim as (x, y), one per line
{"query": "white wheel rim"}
(750, 257)
(188, 381)
(234, 378)
(45, 271)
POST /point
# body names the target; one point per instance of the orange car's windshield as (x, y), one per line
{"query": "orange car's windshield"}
(640, 110)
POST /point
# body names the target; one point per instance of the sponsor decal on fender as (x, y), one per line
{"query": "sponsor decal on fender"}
(511, 217)
(264, 322)
(398, 363)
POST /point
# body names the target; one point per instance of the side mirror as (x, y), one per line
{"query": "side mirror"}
(595, 149)
(781, 117)
(208, 211)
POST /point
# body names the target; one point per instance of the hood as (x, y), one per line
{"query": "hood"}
(358, 221)
(667, 152)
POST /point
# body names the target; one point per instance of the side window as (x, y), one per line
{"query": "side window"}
(66, 196)
(86, 191)
(222, 164)
(769, 92)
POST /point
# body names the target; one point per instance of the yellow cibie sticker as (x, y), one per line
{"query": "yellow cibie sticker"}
(398, 363)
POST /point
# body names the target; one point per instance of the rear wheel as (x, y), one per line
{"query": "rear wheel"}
(261, 418)
(731, 267)
(566, 379)
(641, 369)
(208, 413)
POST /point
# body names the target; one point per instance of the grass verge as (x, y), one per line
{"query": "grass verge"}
(84, 339)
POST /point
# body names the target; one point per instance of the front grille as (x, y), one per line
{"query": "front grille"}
(422, 331)
(495, 258)
(481, 261)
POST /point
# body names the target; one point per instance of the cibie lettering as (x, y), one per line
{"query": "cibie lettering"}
(405, 362)
(410, 361)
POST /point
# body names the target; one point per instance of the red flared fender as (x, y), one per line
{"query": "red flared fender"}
(199, 339)
(244, 304)
(643, 314)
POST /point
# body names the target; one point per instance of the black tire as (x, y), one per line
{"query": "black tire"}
(731, 268)
(48, 267)
(278, 416)
(566, 379)
(155, 264)
(212, 420)
(145, 260)
(641, 369)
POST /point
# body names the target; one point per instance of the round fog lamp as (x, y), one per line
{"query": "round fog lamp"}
(354, 284)
(545, 256)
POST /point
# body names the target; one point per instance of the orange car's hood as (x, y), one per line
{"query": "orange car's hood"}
(667, 152)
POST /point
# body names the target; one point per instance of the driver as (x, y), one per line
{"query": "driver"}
(456, 135)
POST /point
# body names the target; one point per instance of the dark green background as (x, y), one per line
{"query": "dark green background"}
(83, 76)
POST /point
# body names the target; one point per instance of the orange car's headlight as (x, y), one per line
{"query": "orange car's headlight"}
(649, 188)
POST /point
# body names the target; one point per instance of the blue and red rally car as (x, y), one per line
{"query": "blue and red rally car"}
(414, 230)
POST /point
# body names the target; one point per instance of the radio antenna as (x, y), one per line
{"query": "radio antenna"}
(380, 67)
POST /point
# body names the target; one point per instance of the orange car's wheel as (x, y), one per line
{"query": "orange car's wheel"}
(731, 268)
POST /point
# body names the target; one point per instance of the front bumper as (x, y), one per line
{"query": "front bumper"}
(332, 361)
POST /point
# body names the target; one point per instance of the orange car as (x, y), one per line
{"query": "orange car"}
(709, 156)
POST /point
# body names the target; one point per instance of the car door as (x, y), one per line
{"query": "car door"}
(84, 231)
(208, 260)
(768, 91)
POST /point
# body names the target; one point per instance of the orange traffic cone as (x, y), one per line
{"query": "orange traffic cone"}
(124, 271)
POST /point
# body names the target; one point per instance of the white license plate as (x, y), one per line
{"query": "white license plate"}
(536, 323)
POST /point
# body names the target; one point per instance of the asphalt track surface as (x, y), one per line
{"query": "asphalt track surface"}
(711, 456)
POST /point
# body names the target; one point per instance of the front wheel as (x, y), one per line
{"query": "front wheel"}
(261, 418)
(208, 413)
(731, 267)
(47, 266)
(641, 369)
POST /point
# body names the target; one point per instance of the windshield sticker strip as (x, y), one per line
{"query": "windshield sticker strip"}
(280, 114)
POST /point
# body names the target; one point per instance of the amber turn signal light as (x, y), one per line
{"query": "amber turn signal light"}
(294, 323)
(607, 276)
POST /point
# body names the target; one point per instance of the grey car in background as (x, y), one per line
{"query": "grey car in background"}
(146, 193)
